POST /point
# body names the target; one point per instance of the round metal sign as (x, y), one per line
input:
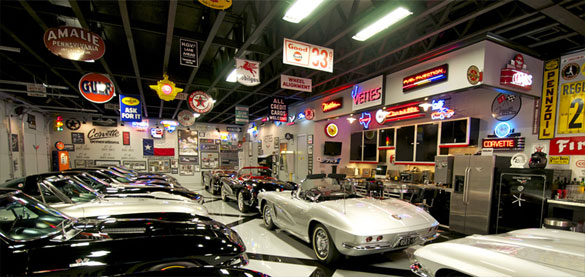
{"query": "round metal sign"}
(331, 130)
(186, 118)
(97, 88)
(74, 43)
(59, 145)
(309, 114)
(200, 102)
(506, 106)
(73, 124)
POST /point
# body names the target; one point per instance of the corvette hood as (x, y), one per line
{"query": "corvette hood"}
(368, 214)
(272, 184)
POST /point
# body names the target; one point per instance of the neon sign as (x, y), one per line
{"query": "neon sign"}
(411, 110)
(367, 94)
(169, 125)
(515, 74)
(502, 130)
(364, 96)
(516, 143)
(301, 115)
(441, 112)
(157, 133)
(365, 120)
(428, 77)
(332, 105)
(141, 126)
(253, 129)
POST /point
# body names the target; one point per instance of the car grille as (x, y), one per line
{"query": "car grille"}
(124, 230)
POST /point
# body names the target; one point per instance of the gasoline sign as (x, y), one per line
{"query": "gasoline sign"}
(200, 102)
(96, 88)
(130, 109)
(74, 43)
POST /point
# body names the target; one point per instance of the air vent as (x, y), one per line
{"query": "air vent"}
(124, 230)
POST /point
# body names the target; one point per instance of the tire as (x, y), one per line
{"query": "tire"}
(170, 265)
(209, 187)
(323, 245)
(223, 194)
(267, 213)
(241, 205)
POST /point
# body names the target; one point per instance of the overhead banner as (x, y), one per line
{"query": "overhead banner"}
(367, 94)
(97, 88)
(278, 110)
(307, 55)
(130, 108)
(295, 83)
(242, 115)
(247, 72)
(74, 43)
(548, 111)
(189, 53)
(572, 94)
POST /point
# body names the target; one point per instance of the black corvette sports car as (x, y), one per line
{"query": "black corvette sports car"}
(37, 239)
(212, 179)
(245, 186)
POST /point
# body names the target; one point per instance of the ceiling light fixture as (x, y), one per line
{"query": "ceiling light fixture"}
(382, 23)
(232, 78)
(301, 9)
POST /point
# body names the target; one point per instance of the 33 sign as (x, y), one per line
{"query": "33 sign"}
(571, 108)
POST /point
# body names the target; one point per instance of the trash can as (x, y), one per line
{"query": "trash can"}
(557, 223)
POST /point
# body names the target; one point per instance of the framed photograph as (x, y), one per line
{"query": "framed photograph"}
(186, 169)
(174, 171)
(32, 121)
(174, 163)
(77, 138)
(310, 149)
(310, 139)
(188, 144)
(80, 164)
(276, 142)
(106, 162)
(159, 166)
(136, 165)
(126, 138)
(14, 142)
(69, 147)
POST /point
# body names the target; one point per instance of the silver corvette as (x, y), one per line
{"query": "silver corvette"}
(335, 220)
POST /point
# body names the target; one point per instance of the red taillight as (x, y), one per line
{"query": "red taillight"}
(368, 239)
(379, 238)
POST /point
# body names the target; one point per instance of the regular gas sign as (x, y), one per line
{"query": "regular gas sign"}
(307, 55)
(97, 88)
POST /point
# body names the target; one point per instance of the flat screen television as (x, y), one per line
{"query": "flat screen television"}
(332, 148)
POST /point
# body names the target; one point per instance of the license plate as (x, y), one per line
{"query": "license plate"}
(405, 241)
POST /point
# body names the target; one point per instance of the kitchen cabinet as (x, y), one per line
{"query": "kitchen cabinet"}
(459, 132)
(364, 146)
(426, 142)
(405, 144)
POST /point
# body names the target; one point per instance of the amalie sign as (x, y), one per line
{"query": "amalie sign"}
(74, 43)
(97, 88)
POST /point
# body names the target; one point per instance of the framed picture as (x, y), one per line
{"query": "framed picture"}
(160, 166)
(174, 170)
(310, 149)
(366, 172)
(126, 138)
(14, 142)
(32, 121)
(310, 139)
(174, 163)
(77, 138)
(106, 162)
(69, 147)
(188, 144)
(276, 142)
(186, 169)
(136, 165)
(80, 164)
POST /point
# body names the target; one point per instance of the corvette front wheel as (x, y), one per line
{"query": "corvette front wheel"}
(267, 216)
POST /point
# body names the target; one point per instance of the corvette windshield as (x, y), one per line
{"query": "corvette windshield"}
(326, 189)
(256, 171)
(75, 190)
(24, 218)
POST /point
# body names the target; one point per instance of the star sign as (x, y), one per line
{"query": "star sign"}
(518, 199)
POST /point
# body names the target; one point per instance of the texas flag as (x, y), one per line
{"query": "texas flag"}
(150, 149)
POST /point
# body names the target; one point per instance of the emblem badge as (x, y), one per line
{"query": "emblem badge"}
(395, 216)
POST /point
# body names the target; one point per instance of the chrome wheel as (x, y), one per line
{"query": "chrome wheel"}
(267, 216)
(241, 205)
(321, 243)
(223, 194)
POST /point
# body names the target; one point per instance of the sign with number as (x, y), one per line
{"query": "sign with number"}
(571, 118)
(307, 55)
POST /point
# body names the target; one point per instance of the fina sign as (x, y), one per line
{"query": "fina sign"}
(515, 74)
(368, 94)
(96, 88)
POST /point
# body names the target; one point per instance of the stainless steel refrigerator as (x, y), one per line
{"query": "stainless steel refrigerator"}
(471, 200)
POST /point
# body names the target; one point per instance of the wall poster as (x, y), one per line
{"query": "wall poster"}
(81, 164)
(188, 145)
(159, 165)
(135, 165)
(14, 142)
(107, 162)
(77, 138)
(571, 118)
(186, 169)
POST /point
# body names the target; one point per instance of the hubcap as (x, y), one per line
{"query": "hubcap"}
(321, 243)
(267, 216)
(240, 201)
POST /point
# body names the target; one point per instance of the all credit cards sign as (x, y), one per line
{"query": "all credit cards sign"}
(307, 55)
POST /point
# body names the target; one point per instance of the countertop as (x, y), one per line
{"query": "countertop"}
(398, 185)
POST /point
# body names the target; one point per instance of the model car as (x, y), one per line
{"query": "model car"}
(37, 239)
(525, 252)
(211, 179)
(248, 182)
(79, 200)
(329, 214)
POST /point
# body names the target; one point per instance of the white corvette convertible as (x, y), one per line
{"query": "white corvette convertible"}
(337, 221)
(526, 252)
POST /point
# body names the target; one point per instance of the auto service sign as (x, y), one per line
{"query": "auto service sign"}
(97, 88)
(307, 55)
(74, 43)
(200, 102)
(567, 146)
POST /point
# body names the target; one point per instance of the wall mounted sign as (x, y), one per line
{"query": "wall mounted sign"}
(365, 120)
(69, 147)
(59, 145)
(169, 125)
(474, 76)
(548, 111)
(501, 144)
(141, 126)
(309, 113)
(189, 52)
(130, 108)
(157, 133)
(186, 118)
(242, 114)
(571, 108)
(104, 122)
(217, 4)
(126, 138)
(559, 159)
(425, 78)
(406, 111)
(506, 106)
(74, 43)
(96, 136)
(73, 124)
(332, 105)
(368, 94)
(209, 141)
(247, 72)
(77, 138)
(331, 130)
(440, 111)
(567, 146)
(165, 89)
(502, 130)
(295, 83)
(200, 102)
(570, 71)
(307, 55)
(234, 129)
(519, 160)
(14, 143)
(96, 88)
(515, 74)
(278, 110)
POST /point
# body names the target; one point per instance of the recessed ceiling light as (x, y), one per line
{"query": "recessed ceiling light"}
(382, 23)
(301, 9)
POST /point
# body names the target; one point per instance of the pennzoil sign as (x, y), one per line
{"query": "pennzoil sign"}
(548, 110)
(74, 43)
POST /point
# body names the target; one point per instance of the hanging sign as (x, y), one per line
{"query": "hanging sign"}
(572, 95)
(74, 43)
(278, 110)
(200, 102)
(130, 109)
(500, 144)
(307, 55)
(548, 111)
(515, 74)
(567, 146)
(367, 94)
(166, 89)
(189, 53)
(406, 111)
(247, 72)
(295, 83)
(332, 105)
(217, 4)
(241, 114)
(331, 130)
(426, 78)
(506, 106)
(186, 118)
(97, 88)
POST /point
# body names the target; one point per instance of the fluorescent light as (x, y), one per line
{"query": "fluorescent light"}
(301, 9)
(232, 78)
(382, 23)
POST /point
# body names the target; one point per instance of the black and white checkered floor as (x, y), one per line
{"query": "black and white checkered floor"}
(278, 253)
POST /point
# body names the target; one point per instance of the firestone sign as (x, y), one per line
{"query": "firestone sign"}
(96, 88)
(567, 146)
(367, 94)
(74, 43)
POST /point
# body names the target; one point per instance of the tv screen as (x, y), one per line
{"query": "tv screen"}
(332, 148)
